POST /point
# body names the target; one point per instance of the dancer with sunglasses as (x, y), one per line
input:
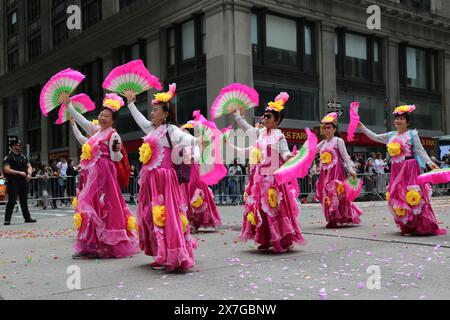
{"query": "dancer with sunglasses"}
(330, 190)
(271, 209)
(408, 201)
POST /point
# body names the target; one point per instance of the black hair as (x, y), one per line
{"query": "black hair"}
(278, 116)
(115, 116)
(170, 108)
(336, 133)
(405, 115)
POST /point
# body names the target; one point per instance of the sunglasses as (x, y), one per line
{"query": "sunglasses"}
(267, 116)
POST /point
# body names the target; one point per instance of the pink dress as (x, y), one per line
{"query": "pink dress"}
(408, 201)
(163, 229)
(105, 216)
(202, 210)
(271, 210)
(330, 190)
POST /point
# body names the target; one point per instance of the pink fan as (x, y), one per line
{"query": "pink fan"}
(437, 176)
(81, 102)
(234, 97)
(353, 187)
(212, 169)
(132, 76)
(59, 87)
(354, 121)
(298, 166)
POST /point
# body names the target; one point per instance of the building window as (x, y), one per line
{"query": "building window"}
(303, 103)
(418, 4)
(419, 68)
(125, 3)
(186, 46)
(34, 10)
(283, 41)
(189, 101)
(188, 40)
(13, 60)
(12, 23)
(171, 46)
(92, 85)
(59, 22)
(34, 47)
(92, 12)
(358, 57)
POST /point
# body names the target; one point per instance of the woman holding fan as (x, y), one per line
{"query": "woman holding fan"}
(271, 209)
(104, 222)
(163, 225)
(408, 201)
(331, 188)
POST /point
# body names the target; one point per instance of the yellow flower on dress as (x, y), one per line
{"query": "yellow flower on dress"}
(251, 218)
(401, 212)
(255, 156)
(198, 202)
(185, 222)
(86, 152)
(413, 197)
(159, 216)
(328, 201)
(394, 149)
(340, 189)
(75, 202)
(131, 224)
(272, 197)
(95, 121)
(145, 153)
(277, 105)
(387, 196)
(326, 158)
(77, 220)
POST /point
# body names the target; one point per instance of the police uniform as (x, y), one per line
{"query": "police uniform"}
(17, 186)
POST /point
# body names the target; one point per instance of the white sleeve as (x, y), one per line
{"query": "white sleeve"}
(284, 148)
(419, 149)
(178, 136)
(84, 123)
(115, 156)
(140, 119)
(349, 164)
(382, 138)
(78, 135)
(242, 123)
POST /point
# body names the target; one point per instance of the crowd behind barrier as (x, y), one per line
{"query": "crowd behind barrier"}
(54, 191)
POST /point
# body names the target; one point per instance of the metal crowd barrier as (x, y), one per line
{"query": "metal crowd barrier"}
(57, 191)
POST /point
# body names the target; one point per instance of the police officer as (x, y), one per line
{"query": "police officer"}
(18, 173)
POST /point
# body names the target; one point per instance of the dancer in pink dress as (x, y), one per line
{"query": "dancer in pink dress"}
(408, 201)
(202, 210)
(164, 231)
(104, 222)
(330, 190)
(271, 209)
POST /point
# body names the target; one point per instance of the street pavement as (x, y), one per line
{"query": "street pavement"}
(333, 264)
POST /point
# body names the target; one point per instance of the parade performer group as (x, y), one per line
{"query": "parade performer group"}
(175, 198)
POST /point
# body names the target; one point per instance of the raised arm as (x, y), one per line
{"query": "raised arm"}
(77, 133)
(419, 149)
(242, 123)
(348, 163)
(285, 153)
(140, 119)
(84, 123)
(382, 138)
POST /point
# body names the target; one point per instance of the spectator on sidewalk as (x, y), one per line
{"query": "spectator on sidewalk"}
(233, 173)
(62, 173)
(72, 173)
